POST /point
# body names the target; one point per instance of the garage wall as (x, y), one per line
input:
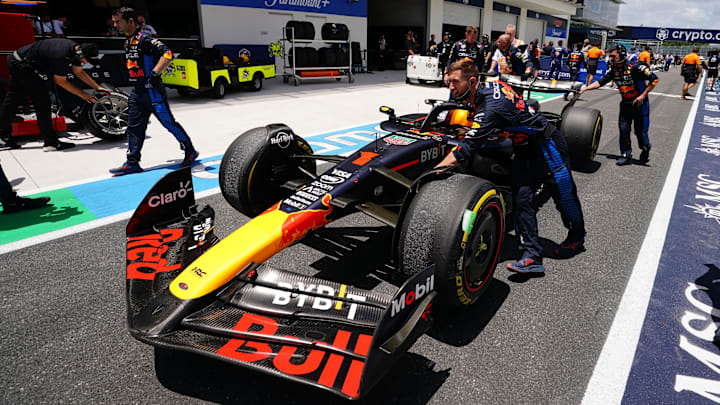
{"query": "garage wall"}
(459, 14)
(501, 20)
(240, 25)
(534, 28)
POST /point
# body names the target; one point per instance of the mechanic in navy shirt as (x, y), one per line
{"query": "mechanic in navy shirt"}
(33, 70)
(541, 155)
(147, 58)
(575, 61)
(558, 53)
(712, 67)
(634, 105)
(467, 49)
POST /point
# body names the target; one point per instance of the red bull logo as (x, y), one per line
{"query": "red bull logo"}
(132, 64)
(299, 223)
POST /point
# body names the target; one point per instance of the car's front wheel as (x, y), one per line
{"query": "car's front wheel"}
(458, 225)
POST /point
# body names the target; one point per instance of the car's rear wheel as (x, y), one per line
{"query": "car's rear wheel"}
(257, 82)
(458, 225)
(582, 128)
(257, 165)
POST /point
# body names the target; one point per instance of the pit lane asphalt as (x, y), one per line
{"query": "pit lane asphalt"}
(525, 341)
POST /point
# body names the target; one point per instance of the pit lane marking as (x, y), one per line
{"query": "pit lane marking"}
(610, 376)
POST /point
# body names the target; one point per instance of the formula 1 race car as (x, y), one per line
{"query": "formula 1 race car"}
(188, 291)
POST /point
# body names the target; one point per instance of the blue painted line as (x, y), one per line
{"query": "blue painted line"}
(676, 361)
(116, 195)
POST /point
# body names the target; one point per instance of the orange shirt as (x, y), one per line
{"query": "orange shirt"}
(595, 53)
(644, 57)
(691, 59)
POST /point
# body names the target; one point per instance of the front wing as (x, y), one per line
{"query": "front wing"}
(306, 329)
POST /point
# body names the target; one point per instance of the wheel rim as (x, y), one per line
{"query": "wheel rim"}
(257, 83)
(221, 89)
(110, 113)
(480, 257)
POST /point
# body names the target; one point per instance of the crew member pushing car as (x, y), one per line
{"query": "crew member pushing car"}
(634, 106)
(147, 58)
(33, 70)
(541, 155)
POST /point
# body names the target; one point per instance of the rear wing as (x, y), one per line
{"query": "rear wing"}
(313, 331)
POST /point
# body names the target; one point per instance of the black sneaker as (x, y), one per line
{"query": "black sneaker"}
(645, 155)
(190, 158)
(126, 168)
(9, 144)
(624, 160)
(570, 247)
(58, 146)
(23, 203)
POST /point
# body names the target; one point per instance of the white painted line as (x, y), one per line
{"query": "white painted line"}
(609, 378)
(21, 244)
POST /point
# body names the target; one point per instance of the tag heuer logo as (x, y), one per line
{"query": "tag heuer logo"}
(662, 34)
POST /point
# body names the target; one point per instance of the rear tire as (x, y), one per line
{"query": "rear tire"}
(582, 128)
(257, 82)
(107, 118)
(219, 88)
(258, 163)
(432, 233)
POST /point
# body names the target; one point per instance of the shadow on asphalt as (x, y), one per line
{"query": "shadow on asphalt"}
(47, 214)
(711, 282)
(412, 380)
(588, 167)
(616, 157)
(353, 254)
(460, 327)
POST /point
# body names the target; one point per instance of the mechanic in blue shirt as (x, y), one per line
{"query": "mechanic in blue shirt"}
(541, 155)
(558, 53)
(634, 105)
(147, 58)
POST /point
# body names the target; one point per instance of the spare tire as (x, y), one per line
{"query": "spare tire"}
(107, 118)
(582, 128)
(258, 163)
(304, 30)
(458, 225)
(335, 32)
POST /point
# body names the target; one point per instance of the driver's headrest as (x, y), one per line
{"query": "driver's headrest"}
(461, 117)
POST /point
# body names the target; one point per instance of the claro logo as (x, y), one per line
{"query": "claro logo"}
(184, 189)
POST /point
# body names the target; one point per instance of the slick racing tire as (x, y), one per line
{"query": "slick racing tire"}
(258, 163)
(582, 128)
(108, 117)
(457, 224)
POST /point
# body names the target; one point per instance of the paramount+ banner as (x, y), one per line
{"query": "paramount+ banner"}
(676, 34)
(355, 8)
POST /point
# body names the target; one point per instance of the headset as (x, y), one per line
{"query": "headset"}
(622, 53)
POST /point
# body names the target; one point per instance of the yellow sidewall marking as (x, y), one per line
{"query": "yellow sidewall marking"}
(479, 204)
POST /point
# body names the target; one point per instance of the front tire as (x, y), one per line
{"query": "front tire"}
(219, 88)
(582, 128)
(258, 163)
(458, 225)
